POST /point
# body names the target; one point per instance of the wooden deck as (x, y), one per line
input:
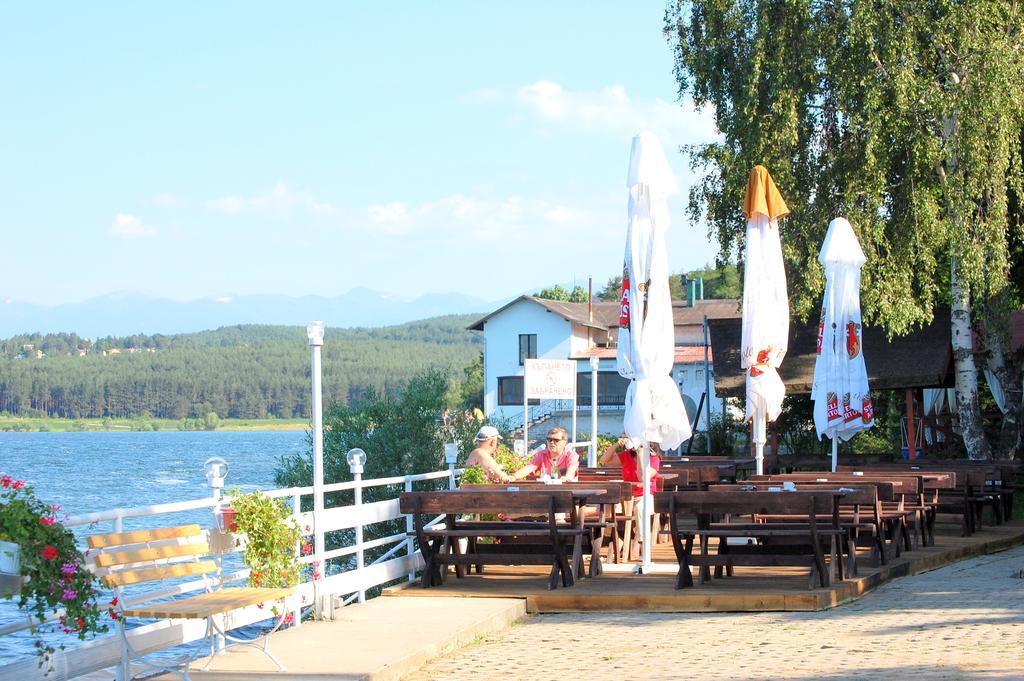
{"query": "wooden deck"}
(749, 590)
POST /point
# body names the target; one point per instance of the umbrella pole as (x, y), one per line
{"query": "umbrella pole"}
(835, 453)
(759, 437)
(645, 511)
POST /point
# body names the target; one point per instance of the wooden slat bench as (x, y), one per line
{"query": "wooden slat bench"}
(148, 556)
(521, 542)
(901, 513)
(602, 514)
(800, 542)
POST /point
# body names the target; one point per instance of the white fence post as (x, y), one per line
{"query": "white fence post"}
(356, 458)
(410, 546)
(296, 511)
(216, 470)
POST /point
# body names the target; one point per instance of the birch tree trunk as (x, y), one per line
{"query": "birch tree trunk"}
(966, 370)
(1010, 379)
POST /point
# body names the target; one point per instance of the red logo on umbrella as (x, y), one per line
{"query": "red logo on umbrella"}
(832, 406)
(852, 339)
(624, 302)
(867, 410)
(821, 330)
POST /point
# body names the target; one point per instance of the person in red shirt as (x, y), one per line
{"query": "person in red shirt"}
(555, 457)
(625, 451)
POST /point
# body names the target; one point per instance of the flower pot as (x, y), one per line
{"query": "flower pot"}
(227, 519)
(10, 558)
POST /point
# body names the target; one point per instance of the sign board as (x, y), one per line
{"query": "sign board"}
(550, 379)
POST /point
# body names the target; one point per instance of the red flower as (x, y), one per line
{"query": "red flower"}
(113, 602)
(5, 481)
(17, 484)
(50, 553)
(307, 548)
(114, 615)
(47, 520)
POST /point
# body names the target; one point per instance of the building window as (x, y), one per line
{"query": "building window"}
(700, 374)
(510, 391)
(527, 347)
(611, 389)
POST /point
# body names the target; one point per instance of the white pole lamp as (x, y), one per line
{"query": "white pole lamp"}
(356, 458)
(315, 334)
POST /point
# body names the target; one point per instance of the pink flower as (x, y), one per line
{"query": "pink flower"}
(289, 618)
(69, 569)
(307, 548)
(69, 595)
(47, 520)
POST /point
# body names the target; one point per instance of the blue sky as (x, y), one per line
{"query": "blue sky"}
(198, 150)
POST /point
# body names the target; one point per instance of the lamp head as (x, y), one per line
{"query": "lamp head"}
(216, 469)
(355, 458)
(315, 332)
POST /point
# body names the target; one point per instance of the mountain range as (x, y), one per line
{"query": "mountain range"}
(125, 314)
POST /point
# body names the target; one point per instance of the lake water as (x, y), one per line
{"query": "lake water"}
(88, 472)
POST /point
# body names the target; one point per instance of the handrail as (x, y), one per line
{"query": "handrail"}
(400, 540)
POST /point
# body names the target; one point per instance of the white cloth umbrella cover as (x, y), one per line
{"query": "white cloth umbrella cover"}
(842, 397)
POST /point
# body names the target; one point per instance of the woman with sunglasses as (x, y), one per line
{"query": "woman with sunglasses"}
(554, 460)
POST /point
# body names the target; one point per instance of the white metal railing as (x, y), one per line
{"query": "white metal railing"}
(401, 561)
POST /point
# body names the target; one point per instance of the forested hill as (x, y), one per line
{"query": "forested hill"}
(237, 371)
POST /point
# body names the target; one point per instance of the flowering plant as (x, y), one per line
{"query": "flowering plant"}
(271, 537)
(53, 568)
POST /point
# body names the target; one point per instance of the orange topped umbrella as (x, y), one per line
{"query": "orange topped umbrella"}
(765, 306)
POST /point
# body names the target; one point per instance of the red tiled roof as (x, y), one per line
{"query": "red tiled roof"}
(684, 354)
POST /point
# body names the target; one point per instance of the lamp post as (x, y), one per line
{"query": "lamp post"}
(216, 470)
(315, 334)
(451, 458)
(594, 363)
(356, 458)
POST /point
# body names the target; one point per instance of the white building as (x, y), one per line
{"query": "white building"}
(530, 327)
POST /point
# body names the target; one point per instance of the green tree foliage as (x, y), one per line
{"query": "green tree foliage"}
(235, 372)
(612, 291)
(558, 292)
(905, 117)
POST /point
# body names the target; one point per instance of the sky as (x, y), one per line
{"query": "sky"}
(209, 150)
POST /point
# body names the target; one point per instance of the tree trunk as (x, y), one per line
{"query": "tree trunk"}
(1010, 380)
(966, 370)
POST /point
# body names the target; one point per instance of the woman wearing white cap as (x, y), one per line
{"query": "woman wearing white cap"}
(483, 456)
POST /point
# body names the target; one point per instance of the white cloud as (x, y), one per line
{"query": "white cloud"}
(222, 299)
(479, 218)
(608, 110)
(281, 200)
(127, 226)
(167, 200)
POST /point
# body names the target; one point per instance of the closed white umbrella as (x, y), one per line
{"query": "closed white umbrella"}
(646, 343)
(765, 306)
(842, 398)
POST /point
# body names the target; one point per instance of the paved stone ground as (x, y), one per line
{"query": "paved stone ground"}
(962, 621)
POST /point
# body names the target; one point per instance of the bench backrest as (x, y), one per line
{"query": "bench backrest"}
(937, 478)
(852, 494)
(615, 490)
(150, 555)
(760, 503)
(902, 484)
(523, 502)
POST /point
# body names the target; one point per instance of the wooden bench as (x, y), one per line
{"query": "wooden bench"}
(520, 542)
(160, 555)
(602, 514)
(798, 543)
(904, 514)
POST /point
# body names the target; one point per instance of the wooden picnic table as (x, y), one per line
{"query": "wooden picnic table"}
(797, 541)
(516, 542)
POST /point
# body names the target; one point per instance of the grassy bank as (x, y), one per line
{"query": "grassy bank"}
(11, 424)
